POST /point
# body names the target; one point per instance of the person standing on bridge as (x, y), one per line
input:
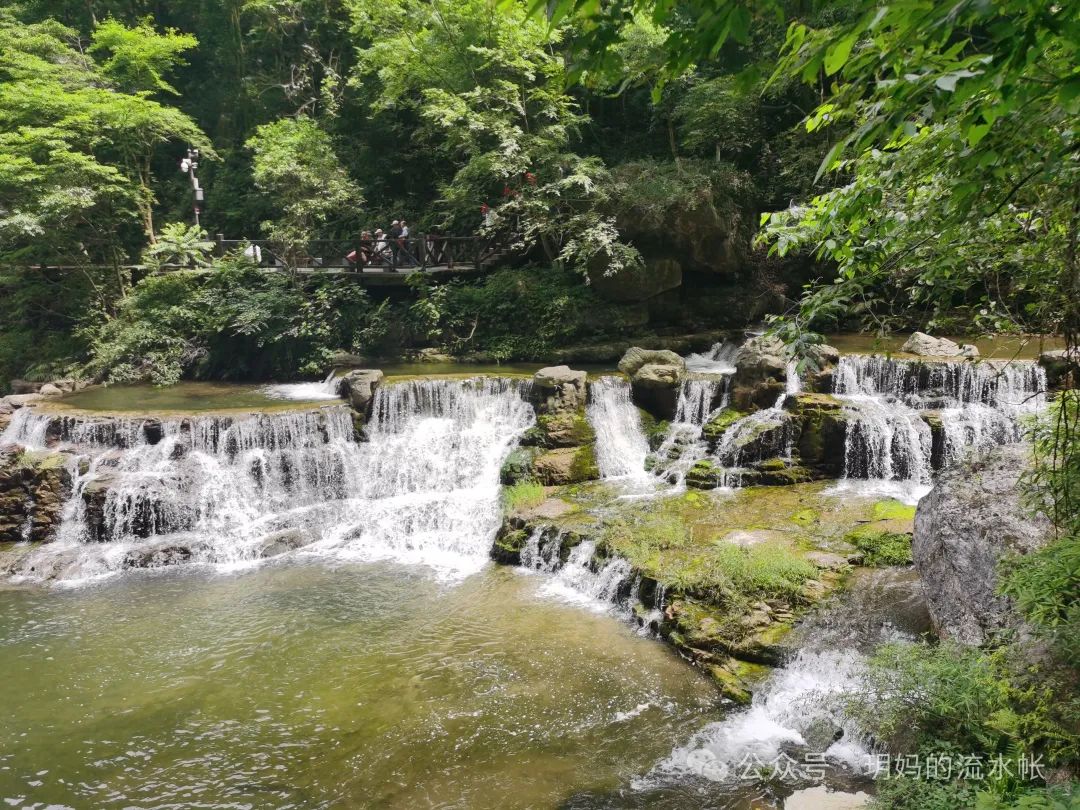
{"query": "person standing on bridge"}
(395, 243)
(403, 243)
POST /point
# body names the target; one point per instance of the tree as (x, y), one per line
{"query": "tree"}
(295, 163)
(489, 85)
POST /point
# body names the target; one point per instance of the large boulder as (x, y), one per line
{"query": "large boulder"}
(558, 389)
(970, 520)
(17, 401)
(822, 430)
(566, 465)
(638, 283)
(359, 387)
(24, 387)
(656, 377)
(926, 345)
(760, 373)
(1059, 364)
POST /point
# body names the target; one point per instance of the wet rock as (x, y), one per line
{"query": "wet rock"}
(161, 554)
(765, 436)
(826, 560)
(656, 378)
(17, 401)
(562, 429)
(822, 429)
(1059, 365)
(926, 345)
(635, 357)
(566, 465)
(760, 359)
(519, 466)
(970, 520)
(50, 390)
(559, 389)
(283, 541)
(359, 387)
(33, 489)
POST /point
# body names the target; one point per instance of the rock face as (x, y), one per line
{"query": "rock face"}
(33, 488)
(926, 345)
(558, 389)
(566, 465)
(656, 378)
(633, 284)
(359, 388)
(969, 521)
(1059, 364)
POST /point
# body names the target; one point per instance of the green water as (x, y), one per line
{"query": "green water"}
(315, 686)
(182, 397)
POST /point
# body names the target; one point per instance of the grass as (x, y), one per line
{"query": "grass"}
(892, 510)
(881, 548)
(523, 495)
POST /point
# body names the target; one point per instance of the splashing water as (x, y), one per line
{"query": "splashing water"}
(423, 488)
(890, 405)
(305, 392)
(720, 359)
(621, 446)
(584, 581)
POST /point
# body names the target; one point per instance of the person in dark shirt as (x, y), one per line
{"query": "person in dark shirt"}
(395, 242)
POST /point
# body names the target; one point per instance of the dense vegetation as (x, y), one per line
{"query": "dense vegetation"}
(914, 163)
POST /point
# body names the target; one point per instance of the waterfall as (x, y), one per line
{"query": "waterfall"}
(621, 446)
(422, 489)
(582, 580)
(890, 404)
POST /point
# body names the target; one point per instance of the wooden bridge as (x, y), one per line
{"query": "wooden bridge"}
(375, 263)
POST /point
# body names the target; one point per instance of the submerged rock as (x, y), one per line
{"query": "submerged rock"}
(970, 520)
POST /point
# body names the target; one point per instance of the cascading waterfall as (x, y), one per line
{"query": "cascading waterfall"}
(891, 404)
(422, 489)
(621, 446)
(584, 581)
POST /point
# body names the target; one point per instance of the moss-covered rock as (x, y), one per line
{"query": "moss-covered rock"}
(563, 429)
(822, 430)
(705, 474)
(715, 428)
(880, 546)
(33, 488)
(518, 466)
(566, 465)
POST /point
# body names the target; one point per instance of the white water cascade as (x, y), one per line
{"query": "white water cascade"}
(422, 489)
(699, 399)
(892, 404)
(583, 581)
(305, 392)
(720, 359)
(621, 446)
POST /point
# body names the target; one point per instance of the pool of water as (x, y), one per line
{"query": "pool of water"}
(1027, 347)
(183, 397)
(316, 686)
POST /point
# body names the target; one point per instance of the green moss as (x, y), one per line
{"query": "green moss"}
(584, 466)
(704, 475)
(523, 495)
(655, 430)
(42, 460)
(716, 426)
(564, 429)
(806, 517)
(730, 685)
(892, 510)
(512, 541)
(881, 547)
(772, 465)
(518, 465)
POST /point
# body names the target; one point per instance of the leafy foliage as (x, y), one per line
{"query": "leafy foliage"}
(236, 323)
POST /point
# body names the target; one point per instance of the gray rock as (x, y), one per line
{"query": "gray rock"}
(1058, 363)
(558, 389)
(969, 351)
(17, 401)
(65, 385)
(24, 387)
(760, 360)
(926, 345)
(50, 390)
(636, 357)
(359, 388)
(285, 540)
(970, 520)
(638, 283)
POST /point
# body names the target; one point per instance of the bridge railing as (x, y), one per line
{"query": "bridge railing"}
(424, 252)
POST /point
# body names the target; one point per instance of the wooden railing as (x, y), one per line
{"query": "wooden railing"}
(427, 252)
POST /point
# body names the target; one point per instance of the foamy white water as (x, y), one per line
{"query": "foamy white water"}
(305, 392)
(621, 446)
(423, 489)
(720, 359)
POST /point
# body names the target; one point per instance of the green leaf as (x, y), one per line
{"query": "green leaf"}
(836, 55)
